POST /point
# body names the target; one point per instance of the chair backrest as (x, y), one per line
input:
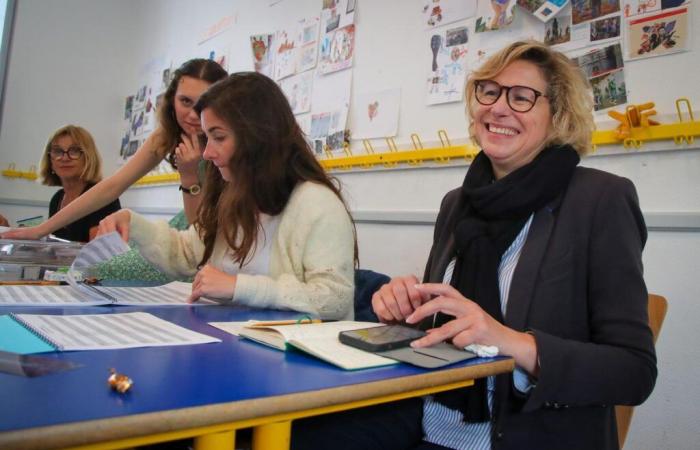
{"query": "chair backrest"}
(657, 311)
(367, 282)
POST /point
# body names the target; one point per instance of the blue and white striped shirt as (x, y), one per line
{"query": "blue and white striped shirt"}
(445, 426)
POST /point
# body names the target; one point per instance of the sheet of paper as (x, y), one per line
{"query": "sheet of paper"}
(110, 331)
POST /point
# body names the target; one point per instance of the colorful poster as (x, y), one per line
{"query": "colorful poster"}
(658, 34)
(635, 7)
(544, 10)
(609, 90)
(585, 10)
(376, 114)
(494, 15)
(263, 54)
(603, 29)
(285, 53)
(442, 12)
(297, 88)
(558, 30)
(308, 44)
(337, 49)
(330, 103)
(337, 42)
(600, 61)
(448, 67)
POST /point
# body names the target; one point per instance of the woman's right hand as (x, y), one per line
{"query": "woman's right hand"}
(397, 299)
(118, 221)
(26, 233)
(188, 153)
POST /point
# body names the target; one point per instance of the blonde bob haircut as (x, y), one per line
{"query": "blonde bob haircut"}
(568, 92)
(92, 172)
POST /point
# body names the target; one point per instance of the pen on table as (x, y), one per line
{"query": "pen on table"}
(31, 282)
(270, 323)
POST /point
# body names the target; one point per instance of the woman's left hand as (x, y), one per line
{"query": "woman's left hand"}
(188, 153)
(211, 282)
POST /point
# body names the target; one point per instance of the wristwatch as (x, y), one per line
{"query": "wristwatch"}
(192, 190)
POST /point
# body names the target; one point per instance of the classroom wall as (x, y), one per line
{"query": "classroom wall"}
(76, 60)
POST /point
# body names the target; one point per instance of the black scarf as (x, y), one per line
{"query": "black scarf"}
(492, 215)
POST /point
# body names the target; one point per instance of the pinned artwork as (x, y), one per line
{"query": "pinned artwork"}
(585, 10)
(609, 90)
(337, 49)
(544, 10)
(376, 114)
(441, 12)
(448, 68)
(494, 15)
(297, 88)
(308, 44)
(658, 34)
(285, 54)
(558, 30)
(263, 55)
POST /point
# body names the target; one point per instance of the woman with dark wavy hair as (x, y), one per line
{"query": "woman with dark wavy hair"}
(175, 139)
(272, 229)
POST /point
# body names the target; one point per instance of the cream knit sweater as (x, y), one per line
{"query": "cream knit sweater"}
(311, 261)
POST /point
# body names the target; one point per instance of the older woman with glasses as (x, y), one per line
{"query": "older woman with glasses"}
(71, 161)
(535, 256)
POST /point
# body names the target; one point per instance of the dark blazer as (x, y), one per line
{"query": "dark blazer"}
(579, 288)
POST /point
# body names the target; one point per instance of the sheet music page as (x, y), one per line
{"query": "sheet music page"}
(28, 295)
(98, 250)
(110, 331)
(173, 293)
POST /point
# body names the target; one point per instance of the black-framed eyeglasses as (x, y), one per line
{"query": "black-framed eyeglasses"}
(72, 153)
(519, 98)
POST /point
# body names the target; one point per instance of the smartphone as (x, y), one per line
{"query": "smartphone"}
(381, 338)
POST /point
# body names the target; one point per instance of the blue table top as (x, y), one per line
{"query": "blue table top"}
(167, 378)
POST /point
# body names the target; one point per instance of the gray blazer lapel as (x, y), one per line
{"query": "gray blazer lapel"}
(525, 275)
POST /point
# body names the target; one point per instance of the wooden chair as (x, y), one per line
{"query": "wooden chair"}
(657, 311)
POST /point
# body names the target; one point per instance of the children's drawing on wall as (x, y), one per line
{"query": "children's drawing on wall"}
(285, 53)
(128, 105)
(602, 29)
(337, 42)
(601, 61)
(376, 114)
(585, 10)
(337, 49)
(448, 68)
(304, 121)
(558, 30)
(263, 56)
(218, 53)
(165, 78)
(658, 34)
(636, 7)
(330, 103)
(308, 43)
(494, 15)
(609, 90)
(543, 9)
(442, 12)
(297, 88)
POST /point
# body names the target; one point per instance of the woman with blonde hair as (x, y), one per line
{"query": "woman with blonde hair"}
(176, 139)
(535, 256)
(71, 160)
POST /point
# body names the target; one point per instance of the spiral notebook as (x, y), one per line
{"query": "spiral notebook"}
(39, 333)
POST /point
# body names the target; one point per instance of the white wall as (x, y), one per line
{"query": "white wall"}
(75, 60)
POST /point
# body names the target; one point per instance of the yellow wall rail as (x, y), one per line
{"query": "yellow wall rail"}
(635, 128)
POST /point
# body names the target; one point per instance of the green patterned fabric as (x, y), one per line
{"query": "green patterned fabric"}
(131, 266)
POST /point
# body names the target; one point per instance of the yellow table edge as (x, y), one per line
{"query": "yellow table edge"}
(213, 426)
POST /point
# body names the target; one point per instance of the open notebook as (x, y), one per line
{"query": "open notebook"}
(317, 339)
(38, 333)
